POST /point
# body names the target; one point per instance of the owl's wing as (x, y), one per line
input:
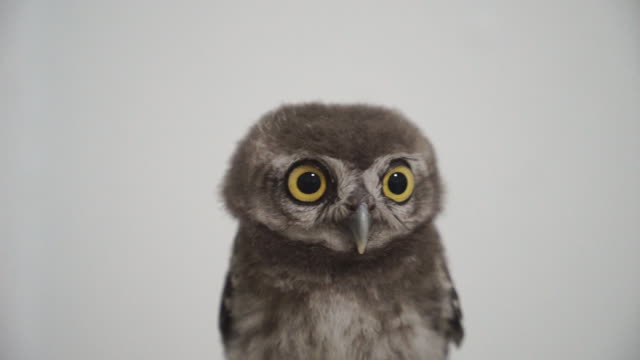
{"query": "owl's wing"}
(454, 331)
(224, 320)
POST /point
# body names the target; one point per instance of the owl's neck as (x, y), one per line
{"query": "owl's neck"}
(256, 244)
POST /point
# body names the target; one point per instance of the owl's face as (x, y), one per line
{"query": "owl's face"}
(350, 178)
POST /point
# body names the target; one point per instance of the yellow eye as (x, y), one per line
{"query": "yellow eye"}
(398, 183)
(307, 183)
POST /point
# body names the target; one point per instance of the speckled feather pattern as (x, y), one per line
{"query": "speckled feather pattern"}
(296, 287)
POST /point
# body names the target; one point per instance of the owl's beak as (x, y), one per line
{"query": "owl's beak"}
(360, 223)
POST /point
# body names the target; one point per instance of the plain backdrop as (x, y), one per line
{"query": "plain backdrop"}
(118, 119)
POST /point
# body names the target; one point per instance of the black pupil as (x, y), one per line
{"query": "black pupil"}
(309, 182)
(397, 183)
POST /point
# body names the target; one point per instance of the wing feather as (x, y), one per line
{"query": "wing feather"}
(452, 312)
(224, 319)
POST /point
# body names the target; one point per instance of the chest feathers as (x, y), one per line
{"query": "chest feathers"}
(334, 326)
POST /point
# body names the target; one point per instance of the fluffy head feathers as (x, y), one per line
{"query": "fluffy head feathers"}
(356, 145)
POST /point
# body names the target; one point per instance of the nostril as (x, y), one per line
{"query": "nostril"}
(351, 206)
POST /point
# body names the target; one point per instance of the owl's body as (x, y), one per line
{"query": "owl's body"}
(304, 281)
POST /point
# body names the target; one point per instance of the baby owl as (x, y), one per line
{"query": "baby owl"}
(336, 255)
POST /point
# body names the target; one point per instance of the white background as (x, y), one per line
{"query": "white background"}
(118, 119)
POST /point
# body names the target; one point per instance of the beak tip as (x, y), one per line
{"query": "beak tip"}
(361, 222)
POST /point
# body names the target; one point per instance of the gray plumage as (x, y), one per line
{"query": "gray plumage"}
(304, 282)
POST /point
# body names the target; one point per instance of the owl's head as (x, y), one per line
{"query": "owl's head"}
(347, 177)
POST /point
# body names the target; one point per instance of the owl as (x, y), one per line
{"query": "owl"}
(336, 254)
